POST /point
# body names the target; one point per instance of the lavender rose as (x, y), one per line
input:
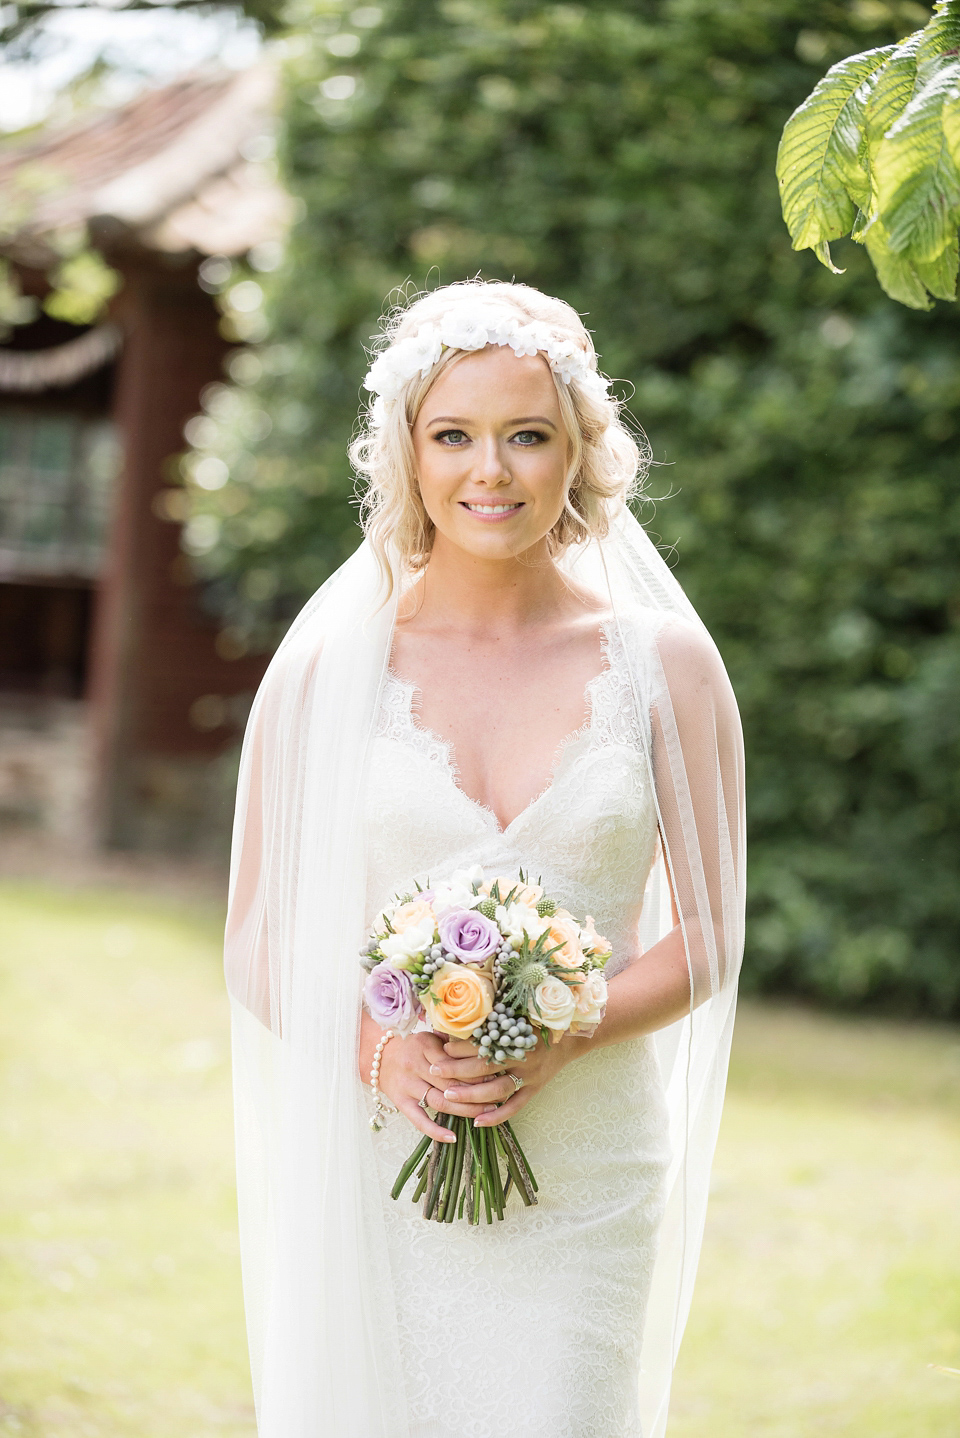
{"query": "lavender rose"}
(390, 999)
(470, 936)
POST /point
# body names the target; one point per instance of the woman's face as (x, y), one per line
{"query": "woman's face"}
(492, 454)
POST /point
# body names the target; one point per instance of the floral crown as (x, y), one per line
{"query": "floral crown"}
(473, 328)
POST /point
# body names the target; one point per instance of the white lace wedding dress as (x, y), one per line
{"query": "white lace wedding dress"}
(531, 1328)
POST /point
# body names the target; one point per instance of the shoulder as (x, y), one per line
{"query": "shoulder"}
(686, 649)
(670, 654)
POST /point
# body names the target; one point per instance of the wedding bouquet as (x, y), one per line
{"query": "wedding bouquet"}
(498, 963)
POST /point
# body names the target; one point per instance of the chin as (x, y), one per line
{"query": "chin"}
(493, 546)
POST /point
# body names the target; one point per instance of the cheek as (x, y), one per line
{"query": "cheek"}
(546, 477)
(438, 474)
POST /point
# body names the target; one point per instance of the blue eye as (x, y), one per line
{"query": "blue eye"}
(451, 437)
(526, 438)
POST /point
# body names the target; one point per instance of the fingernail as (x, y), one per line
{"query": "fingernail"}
(449, 1093)
(491, 1108)
(434, 1068)
(449, 1138)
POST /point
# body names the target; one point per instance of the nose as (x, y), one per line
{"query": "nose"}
(490, 468)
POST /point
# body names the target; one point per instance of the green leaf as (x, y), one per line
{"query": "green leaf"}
(822, 252)
(917, 182)
(897, 275)
(950, 119)
(893, 90)
(819, 167)
(942, 35)
(940, 275)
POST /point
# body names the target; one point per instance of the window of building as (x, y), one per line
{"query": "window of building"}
(56, 482)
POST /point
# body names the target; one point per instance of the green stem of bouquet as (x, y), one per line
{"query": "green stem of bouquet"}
(458, 1179)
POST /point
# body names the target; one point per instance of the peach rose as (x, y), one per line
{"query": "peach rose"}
(593, 941)
(563, 930)
(591, 997)
(409, 914)
(458, 1000)
(525, 893)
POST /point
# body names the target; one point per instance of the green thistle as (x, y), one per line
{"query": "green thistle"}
(524, 970)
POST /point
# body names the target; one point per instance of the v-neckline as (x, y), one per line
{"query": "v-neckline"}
(448, 757)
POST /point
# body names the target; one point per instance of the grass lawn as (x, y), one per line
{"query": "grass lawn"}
(829, 1293)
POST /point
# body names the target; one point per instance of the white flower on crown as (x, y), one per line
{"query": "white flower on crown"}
(592, 383)
(414, 355)
(426, 347)
(472, 327)
(465, 329)
(529, 339)
(500, 331)
(565, 359)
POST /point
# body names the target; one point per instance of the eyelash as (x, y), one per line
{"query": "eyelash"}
(442, 438)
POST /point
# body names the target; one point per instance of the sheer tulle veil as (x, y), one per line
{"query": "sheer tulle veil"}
(323, 1342)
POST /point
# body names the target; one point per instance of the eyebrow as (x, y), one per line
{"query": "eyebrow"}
(527, 419)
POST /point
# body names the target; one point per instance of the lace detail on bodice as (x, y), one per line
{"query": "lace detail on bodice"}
(399, 719)
(590, 832)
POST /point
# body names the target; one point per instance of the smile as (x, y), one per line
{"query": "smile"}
(492, 509)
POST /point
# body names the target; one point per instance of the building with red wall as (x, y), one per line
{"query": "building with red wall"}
(120, 703)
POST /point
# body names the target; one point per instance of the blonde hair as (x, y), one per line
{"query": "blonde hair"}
(606, 461)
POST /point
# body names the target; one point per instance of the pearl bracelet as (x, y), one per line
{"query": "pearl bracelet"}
(382, 1108)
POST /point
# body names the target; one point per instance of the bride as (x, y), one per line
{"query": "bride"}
(505, 676)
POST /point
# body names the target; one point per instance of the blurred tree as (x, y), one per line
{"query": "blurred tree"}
(622, 155)
(22, 22)
(875, 153)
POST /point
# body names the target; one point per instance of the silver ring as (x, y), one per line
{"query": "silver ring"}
(423, 1102)
(517, 1082)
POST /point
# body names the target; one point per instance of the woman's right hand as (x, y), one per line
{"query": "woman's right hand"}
(405, 1078)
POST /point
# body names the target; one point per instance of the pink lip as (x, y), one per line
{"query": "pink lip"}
(492, 518)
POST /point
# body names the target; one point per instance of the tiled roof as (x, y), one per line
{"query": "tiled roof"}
(176, 169)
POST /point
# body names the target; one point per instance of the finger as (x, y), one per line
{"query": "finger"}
(460, 1048)
(465, 1069)
(504, 1111)
(412, 1110)
(495, 1090)
(439, 1101)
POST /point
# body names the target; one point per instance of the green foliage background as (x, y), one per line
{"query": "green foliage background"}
(622, 155)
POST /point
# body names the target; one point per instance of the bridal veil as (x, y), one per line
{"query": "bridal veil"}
(323, 1340)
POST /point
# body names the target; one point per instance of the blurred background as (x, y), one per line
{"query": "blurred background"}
(202, 210)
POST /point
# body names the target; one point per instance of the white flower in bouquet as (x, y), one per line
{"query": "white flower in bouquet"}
(408, 944)
(515, 920)
(458, 892)
(554, 1004)
(591, 1000)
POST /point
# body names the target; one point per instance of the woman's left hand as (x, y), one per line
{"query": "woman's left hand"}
(460, 1076)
